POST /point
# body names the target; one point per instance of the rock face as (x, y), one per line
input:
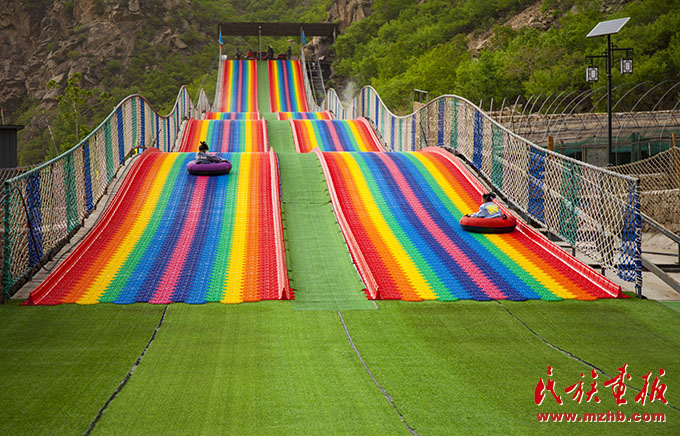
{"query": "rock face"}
(52, 39)
(43, 40)
(347, 12)
(531, 16)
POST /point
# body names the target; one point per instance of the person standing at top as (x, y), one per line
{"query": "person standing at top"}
(289, 53)
(270, 53)
(238, 54)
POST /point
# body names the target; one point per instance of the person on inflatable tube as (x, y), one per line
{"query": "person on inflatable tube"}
(203, 157)
(489, 219)
(488, 209)
(208, 164)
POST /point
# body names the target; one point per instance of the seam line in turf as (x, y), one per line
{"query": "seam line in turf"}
(570, 354)
(670, 307)
(127, 377)
(384, 392)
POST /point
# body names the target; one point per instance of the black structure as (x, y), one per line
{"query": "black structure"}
(279, 29)
(318, 69)
(8, 145)
(609, 28)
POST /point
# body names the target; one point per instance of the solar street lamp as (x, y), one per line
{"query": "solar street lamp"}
(626, 66)
(609, 28)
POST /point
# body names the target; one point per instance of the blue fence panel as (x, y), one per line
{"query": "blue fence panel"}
(478, 141)
(440, 123)
(630, 250)
(536, 184)
(413, 133)
(34, 205)
(87, 176)
(142, 123)
(121, 135)
(392, 121)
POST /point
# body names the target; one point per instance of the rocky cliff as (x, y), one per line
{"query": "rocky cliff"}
(347, 12)
(344, 12)
(51, 39)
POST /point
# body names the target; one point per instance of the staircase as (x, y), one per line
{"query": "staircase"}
(316, 80)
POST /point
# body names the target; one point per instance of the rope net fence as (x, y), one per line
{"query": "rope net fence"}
(597, 211)
(44, 206)
(6, 174)
(659, 186)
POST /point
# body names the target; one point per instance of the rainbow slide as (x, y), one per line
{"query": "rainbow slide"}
(399, 213)
(232, 116)
(238, 86)
(334, 135)
(225, 136)
(170, 237)
(304, 115)
(286, 87)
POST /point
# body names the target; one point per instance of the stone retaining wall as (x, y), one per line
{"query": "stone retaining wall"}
(663, 207)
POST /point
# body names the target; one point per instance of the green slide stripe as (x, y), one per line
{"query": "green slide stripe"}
(280, 136)
(269, 116)
(263, 87)
(319, 264)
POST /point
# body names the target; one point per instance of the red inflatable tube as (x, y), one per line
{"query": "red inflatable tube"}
(505, 224)
(208, 169)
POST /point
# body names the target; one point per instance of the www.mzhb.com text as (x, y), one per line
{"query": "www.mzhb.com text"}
(607, 416)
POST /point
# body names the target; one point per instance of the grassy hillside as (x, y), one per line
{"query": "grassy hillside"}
(405, 45)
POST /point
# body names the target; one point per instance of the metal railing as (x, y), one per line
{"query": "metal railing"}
(597, 211)
(45, 206)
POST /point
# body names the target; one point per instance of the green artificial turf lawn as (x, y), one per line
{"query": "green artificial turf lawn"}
(675, 305)
(471, 368)
(464, 367)
(253, 369)
(60, 364)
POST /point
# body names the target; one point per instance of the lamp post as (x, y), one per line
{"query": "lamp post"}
(609, 28)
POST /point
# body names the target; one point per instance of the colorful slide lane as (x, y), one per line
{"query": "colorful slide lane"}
(225, 136)
(400, 214)
(238, 91)
(286, 87)
(334, 135)
(169, 237)
(232, 116)
(305, 115)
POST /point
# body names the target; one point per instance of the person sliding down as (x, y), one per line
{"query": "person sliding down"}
(203, 157)
(488, 209)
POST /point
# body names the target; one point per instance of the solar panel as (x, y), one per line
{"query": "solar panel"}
(608, 27)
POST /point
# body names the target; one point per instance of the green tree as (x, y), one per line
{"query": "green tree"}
(75, 107)
(72, 103)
